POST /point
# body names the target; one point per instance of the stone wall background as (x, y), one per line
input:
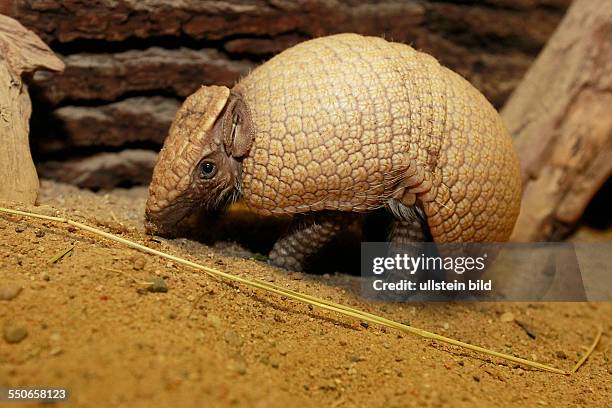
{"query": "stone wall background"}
(130, 63)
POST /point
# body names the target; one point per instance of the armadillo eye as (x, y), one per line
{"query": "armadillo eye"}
(207, 169)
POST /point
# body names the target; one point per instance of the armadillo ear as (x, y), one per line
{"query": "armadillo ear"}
(191, 126)
(201, 109)
(237, 129)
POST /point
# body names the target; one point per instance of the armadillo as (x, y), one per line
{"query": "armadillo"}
(340, 125)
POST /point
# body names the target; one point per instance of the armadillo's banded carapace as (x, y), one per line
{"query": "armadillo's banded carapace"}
(347, 122)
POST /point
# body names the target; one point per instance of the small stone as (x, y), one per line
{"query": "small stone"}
(157, 285)
(38, 233)
(20, 228)
(139, 263)
(365, 325)
(561, 354)
(56, 351)
(238, 365)
(14, 334)
(283, 350)
(46, 277)
(507, 317)
(476, 378)
(329, 386)
(10, 292)
(214, 320)
(232, 338)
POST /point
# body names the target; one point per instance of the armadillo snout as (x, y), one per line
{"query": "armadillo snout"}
(164, 221)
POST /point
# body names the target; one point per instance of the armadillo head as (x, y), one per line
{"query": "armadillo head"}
(199, 165)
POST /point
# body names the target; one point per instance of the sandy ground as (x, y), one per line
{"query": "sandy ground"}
(93, 327)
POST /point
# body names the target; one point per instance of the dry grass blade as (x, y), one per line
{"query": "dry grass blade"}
(60, 255)
(311, 300)
(589, 351)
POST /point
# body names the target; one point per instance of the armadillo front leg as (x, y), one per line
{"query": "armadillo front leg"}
(308, 234)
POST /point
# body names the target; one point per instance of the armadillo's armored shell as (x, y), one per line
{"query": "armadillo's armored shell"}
(346, 122)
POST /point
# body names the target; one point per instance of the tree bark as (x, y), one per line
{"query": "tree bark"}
(103, 170)
(21, 51)
(561, 122)
(108, 76)
(491, 42)
(138, 120)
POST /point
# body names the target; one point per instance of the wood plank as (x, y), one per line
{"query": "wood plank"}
(106, 77)
(560, 119)
(134, 120)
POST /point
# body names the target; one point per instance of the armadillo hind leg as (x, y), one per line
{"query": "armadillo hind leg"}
(308, 234)
(409, 224)
(409, 227)
(407, 231)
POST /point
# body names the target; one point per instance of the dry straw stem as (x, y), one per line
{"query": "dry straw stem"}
(311, 300)
(60, 255)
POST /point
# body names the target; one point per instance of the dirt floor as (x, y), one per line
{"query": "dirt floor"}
(92, 326)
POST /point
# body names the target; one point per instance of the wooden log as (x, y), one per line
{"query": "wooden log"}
(105, 77)
(133, 120)
(560, 119)
(122, 19)
(103, 170)
(21, 52)
(490, 42)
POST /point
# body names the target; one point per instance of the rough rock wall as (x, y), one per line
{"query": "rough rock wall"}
(129, 63)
